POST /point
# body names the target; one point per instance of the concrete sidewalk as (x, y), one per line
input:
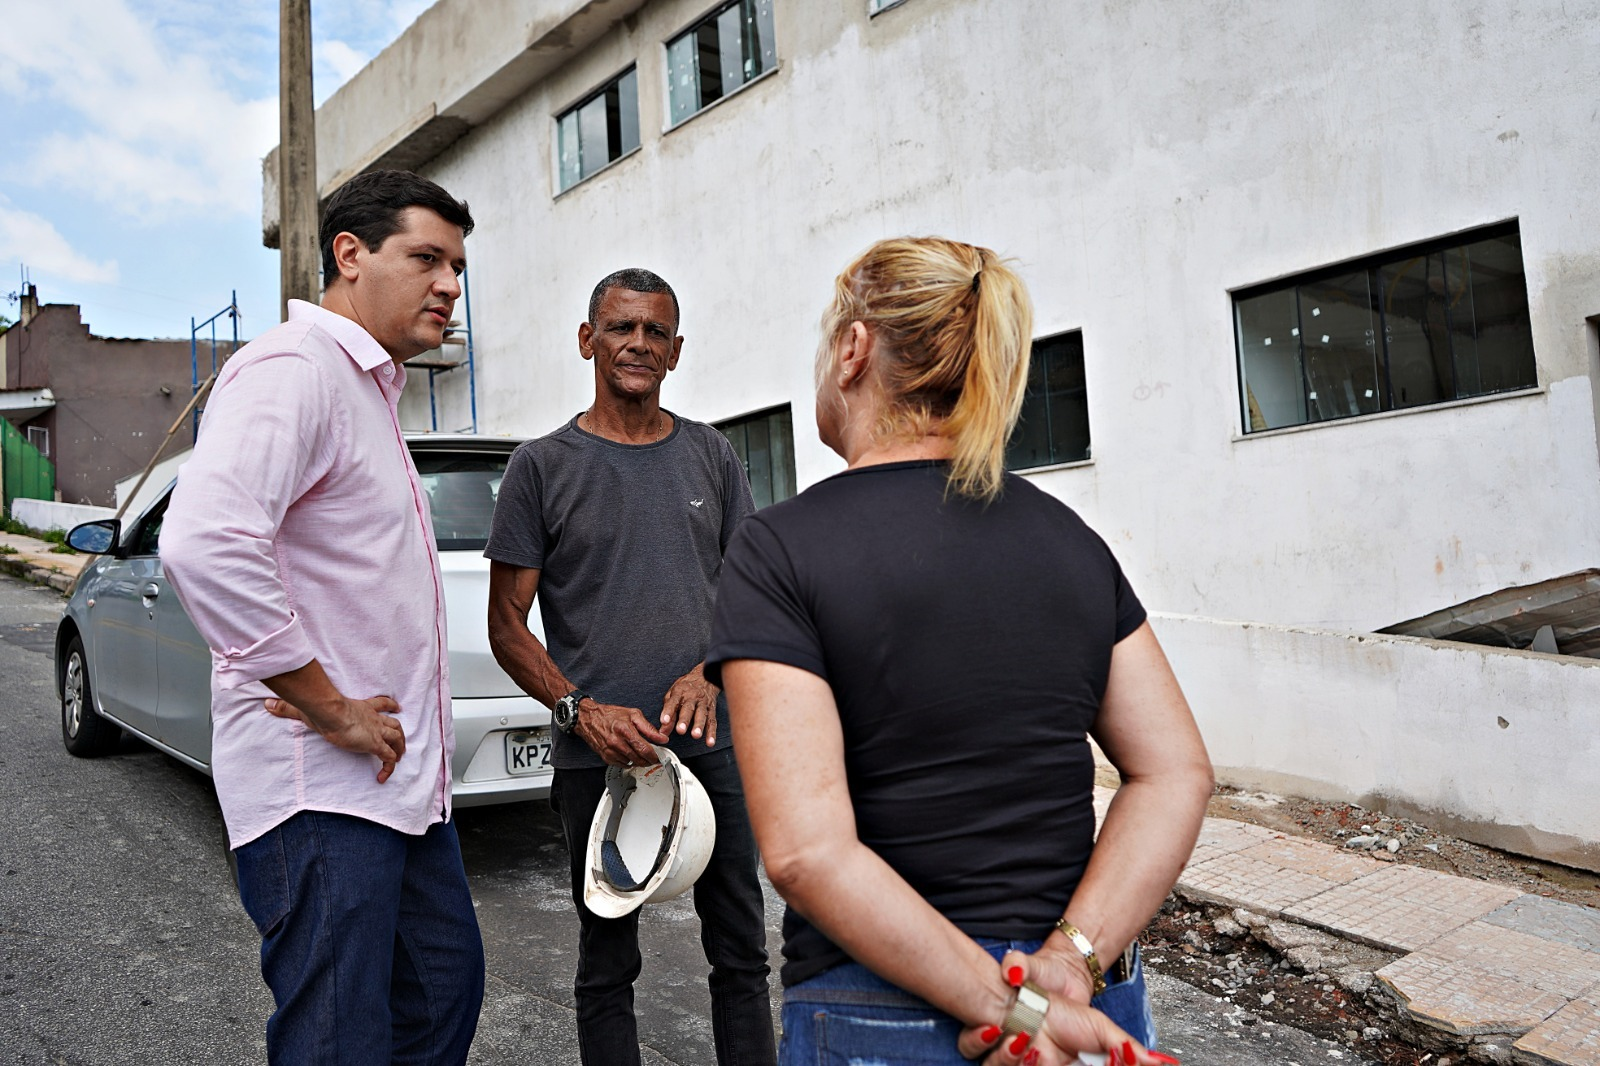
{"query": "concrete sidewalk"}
(32, 560)
(1478, 959)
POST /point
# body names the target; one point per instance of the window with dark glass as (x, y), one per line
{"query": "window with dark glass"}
(1441, 321)
(764, 442)
(1054, 425)
(600, 130)
(724, 50)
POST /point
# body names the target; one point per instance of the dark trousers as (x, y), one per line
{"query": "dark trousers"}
(368, 941)
(733, 931)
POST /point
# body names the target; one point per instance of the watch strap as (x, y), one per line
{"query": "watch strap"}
(567, 707)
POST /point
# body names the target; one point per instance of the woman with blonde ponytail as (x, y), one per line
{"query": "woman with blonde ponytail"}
(915, 653)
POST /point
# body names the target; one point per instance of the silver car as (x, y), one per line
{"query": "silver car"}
(128, 658)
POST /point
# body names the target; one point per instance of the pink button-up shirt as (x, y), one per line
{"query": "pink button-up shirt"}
(299, 530)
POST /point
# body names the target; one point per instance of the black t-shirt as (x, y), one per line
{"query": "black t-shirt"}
(967, 647)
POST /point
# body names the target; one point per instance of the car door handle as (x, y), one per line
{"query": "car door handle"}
(150, 591)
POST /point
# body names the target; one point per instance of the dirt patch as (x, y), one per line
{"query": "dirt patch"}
(1183, 942)
(1276, 973)
(1341, 823)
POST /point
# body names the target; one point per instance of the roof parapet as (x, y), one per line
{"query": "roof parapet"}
(454, 68)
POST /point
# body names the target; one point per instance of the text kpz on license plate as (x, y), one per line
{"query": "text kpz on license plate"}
(528, 752)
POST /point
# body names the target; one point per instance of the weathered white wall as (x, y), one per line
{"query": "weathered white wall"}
(45, 515)
(1139, 159)
(458, 63)
(1497, 746)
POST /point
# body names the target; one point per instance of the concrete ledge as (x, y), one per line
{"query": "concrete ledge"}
(1492, 745)
(34, 560)
(48, 514)
(17, 566)
(453, 69)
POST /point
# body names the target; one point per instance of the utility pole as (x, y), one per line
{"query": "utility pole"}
(297, 157)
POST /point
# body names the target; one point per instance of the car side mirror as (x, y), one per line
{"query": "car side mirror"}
(96, 538)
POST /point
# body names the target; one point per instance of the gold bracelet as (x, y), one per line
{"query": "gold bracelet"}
(1086, 949)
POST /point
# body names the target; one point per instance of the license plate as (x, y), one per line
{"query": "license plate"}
(528, 752)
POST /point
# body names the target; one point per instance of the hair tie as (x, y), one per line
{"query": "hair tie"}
(975, 278)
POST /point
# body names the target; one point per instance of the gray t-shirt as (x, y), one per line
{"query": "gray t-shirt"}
(628, 540)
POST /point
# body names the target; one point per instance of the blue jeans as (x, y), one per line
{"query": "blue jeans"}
(733, 930)
(848, 1015)
(368, 942)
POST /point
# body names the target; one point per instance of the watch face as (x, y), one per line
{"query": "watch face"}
(565, 713)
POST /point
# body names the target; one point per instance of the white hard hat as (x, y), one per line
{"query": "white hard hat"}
(651, 837)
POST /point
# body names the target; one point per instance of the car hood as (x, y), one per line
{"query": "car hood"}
(473, 672)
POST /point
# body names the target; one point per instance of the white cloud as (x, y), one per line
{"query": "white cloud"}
(144, 127)
(340, 58)
(348, 35)
(29, 238)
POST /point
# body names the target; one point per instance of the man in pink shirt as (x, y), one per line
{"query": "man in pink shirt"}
(298, 540)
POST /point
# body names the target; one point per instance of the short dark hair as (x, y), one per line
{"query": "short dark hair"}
(634, 279)
(369, 206)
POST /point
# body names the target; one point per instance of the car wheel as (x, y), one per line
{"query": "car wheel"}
(83, 731)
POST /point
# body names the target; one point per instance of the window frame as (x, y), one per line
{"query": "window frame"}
(135, 543)
(707, 14)
(1375, 261)
(579, 102)
(1055, 463)
(765, 414)
(878, 7)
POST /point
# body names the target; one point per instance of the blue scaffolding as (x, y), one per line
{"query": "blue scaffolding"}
(232, 311)
(454, 336)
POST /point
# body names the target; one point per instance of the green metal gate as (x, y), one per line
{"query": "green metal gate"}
(24, 473)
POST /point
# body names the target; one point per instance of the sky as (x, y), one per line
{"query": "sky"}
(130, 169)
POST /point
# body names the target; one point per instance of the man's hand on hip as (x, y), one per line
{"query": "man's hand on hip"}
(364, 726)
(622, 736)
(691, 703)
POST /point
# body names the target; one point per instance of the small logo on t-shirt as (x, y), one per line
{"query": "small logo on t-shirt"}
(696, 503)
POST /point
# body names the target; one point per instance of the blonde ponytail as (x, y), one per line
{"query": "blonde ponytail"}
(954, 323)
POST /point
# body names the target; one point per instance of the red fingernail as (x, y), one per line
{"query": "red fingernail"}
(1111, 1058)
(1031, 1058)
(990, 1034)
(1127, 1052)
(1019, 1043)
(1014, 977)
(1159, 1057)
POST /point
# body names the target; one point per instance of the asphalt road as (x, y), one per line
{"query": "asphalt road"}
(122, 941)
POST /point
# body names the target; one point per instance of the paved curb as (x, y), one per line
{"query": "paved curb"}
(33, 560)
(1482, 964)
(28, 570)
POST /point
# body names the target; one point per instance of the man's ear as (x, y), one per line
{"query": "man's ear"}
(346, 247)
(585, 335)
(677, 353)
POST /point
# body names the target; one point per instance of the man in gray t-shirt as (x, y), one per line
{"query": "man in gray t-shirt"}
(628, 541)
(617, 522)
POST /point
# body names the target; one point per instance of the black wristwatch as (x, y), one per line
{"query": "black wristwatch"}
(565, 713)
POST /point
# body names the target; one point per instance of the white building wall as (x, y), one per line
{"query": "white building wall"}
(1139, 160)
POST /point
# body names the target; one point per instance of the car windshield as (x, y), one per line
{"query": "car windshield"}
(462, 488)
